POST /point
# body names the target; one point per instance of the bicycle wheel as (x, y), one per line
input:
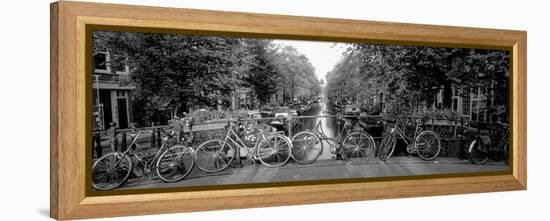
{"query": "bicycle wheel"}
(111, 171)
(358, 148)
(304, 147)
(428, 145)
(175, 163)
(213, 156)
(387, 146)
(274, 151)
(477, 153)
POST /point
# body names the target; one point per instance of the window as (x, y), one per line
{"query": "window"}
(121, 93)
(474, 116)
(104, 62)
(475, 110)
(482, 115)
(120, 63)
(100, 61)
(483, 91)
(455, 104)
(455, 99)
(466, 104)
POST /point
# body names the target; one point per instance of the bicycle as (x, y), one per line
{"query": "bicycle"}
(271, 149)
(425, 143)
(356, 148)
(480, 149)
(181, 155)
(113, 170)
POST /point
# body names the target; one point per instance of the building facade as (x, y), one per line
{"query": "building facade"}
(111, 92)
(244, 98)
(478, 103)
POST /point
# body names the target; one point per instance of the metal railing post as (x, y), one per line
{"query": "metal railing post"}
(123, 144)
(289, 125)
(237, 163)
(159, 138)
(96, 145)
(115, 141)
(462, 150)
(153, 139)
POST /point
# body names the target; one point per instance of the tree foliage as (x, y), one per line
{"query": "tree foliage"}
(263, 75)
(410, 76)
(298, 74)
(192, 71)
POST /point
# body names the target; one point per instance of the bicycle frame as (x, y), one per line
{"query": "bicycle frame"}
(503, 141)
(129, 150)
(480, 150)
(408, 140)
(500, 145)
(149, 165)
(181, 138)
(333, 140)
(239, 143)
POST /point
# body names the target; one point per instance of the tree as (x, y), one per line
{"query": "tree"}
(298, 77)
(191, 71)
(411, 75)
(177, 70)
(263, 75)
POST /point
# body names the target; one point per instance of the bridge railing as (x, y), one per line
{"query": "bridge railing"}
(453, 132)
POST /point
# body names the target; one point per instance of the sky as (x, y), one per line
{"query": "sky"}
(322, 55)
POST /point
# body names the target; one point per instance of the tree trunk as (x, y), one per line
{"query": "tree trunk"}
(219, 104)
(292, 92)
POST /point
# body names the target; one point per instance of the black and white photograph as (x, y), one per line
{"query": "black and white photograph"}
(197, 110)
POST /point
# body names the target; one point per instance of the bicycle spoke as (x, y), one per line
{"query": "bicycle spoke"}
(264, 153)
(351, 154)
(309, 141)
(276, 142)
(110, 171)
(300, 153)
(361, 154)
(267, 157)
(102, 166)
(100, 177)
(430, 140)
(362, 140)
(354, 140)
(347, 146)
(421, 146)
(172, 166)
(277, 156)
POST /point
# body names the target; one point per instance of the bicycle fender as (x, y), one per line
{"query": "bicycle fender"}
(472, 145)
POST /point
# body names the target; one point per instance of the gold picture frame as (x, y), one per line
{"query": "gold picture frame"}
(70, 121)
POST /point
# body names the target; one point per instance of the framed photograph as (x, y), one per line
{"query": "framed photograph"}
(162, 110)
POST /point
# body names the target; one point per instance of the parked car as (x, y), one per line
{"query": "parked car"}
(352, 109)
(301, 108)
(267, 114)
(254, 114)
(267, 111)
(281, 111)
